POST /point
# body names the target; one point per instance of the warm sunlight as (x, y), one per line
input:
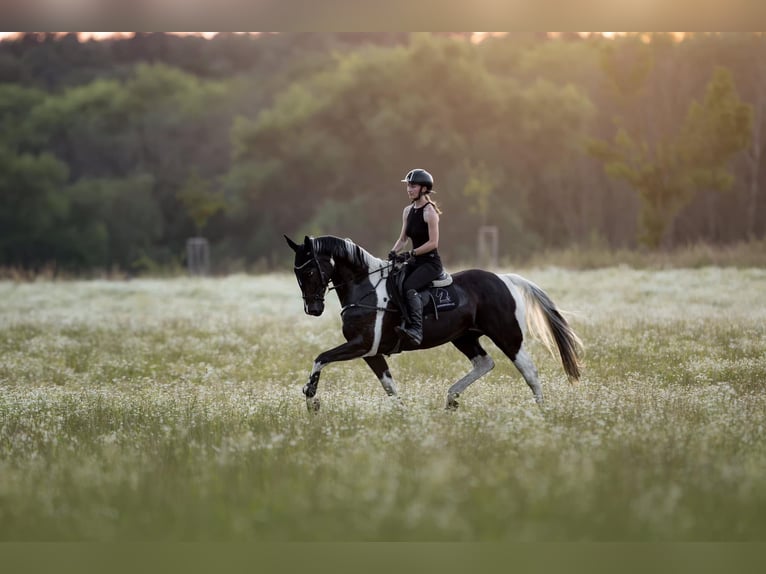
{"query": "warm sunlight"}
(104, 35)
(177, 209)
(84, 36)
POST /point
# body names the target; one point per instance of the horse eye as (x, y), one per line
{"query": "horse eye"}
(310, 273)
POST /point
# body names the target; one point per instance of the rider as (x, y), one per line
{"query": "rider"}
(420, 223)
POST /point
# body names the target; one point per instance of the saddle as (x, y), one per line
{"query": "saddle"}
(439, 296)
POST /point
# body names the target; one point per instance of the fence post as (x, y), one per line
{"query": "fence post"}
(198, 256)
(487, 245)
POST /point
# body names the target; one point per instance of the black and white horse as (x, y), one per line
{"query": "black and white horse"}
(501, 307)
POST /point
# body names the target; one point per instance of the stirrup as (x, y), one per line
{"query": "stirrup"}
(408, 335)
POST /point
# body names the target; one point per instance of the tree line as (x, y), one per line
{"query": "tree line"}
(114, 152)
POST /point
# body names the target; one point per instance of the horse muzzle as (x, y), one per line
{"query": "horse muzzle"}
(314, 308)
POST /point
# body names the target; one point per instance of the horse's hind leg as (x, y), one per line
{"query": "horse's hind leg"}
(526, 367)
(523, 362)
(468, 344)
(380, 368)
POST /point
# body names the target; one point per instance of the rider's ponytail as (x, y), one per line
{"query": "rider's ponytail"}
(436, 205)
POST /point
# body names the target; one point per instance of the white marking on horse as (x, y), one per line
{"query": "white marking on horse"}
(374, 266)
(523, 361)
(528, 370)
(380, 296)
(482, 364)
(518, 297)
(317, 367)
(388, 384)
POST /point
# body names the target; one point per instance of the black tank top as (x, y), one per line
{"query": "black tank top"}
(417, 228)
(417, 231)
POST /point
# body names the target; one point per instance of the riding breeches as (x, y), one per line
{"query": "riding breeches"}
(421, 271)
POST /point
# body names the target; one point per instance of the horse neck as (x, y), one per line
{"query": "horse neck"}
(344, 277)
(351, 265)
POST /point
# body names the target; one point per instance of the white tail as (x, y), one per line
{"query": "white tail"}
(544, 321)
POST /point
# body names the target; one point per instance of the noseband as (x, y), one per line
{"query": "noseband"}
(325, 280)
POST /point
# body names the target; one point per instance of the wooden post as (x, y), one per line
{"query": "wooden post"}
(487, 246)
(198, 256)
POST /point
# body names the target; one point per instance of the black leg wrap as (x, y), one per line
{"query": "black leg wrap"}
(311, 388)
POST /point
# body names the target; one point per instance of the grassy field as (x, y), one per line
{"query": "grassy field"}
(172, 410)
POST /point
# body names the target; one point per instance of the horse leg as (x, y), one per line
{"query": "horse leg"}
(380, 368)
(522, 360)
(351, 350)
(526, 367)
(468, 344)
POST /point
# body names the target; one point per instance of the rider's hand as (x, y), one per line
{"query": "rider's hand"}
(392, 255)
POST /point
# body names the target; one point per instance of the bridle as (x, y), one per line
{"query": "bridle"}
(323, 278)
(326, 280)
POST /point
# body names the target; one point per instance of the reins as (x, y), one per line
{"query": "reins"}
(374, 288)
(326, 284)
(353, 279)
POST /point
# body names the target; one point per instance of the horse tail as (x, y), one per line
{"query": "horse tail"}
(545, 321)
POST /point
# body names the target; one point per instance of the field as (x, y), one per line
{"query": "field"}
(172, 410)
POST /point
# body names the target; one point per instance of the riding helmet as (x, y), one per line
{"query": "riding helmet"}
(420, 177)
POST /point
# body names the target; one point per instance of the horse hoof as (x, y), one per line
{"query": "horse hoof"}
(396, 402)
(452, 404)
(312, 404)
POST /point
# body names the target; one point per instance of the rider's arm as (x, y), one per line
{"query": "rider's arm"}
(402, 241)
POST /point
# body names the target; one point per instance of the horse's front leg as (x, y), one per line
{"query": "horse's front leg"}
(351, 350)
(380, 368)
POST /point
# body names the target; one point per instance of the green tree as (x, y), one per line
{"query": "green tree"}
(32, 205)
(134, 219)
(667, 173)
(16, 103)
(357, 128)
(199, 201)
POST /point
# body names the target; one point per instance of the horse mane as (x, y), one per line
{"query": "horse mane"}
(346, 250)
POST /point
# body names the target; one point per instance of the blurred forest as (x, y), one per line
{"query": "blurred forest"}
(113, 153)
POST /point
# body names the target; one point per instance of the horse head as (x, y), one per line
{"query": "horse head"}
(313, 272)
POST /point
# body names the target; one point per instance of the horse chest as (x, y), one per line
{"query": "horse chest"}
(365, 314)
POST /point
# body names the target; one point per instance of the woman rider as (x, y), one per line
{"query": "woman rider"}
(420, 224)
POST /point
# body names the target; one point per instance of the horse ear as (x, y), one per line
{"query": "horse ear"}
(307, 242)
(293, 245)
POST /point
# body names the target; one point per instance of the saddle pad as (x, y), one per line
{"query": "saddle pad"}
(442, 298)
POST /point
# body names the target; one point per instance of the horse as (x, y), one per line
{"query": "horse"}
(501, 306)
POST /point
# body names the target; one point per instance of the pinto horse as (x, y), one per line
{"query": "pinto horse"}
(502, 307)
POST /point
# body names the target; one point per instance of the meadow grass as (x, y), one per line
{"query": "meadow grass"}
(172, 410)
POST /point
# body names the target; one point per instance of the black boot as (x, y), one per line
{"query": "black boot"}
(414, 329)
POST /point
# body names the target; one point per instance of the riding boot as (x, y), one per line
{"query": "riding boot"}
(414, 327)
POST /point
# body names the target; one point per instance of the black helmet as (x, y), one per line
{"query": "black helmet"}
(420, 177)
